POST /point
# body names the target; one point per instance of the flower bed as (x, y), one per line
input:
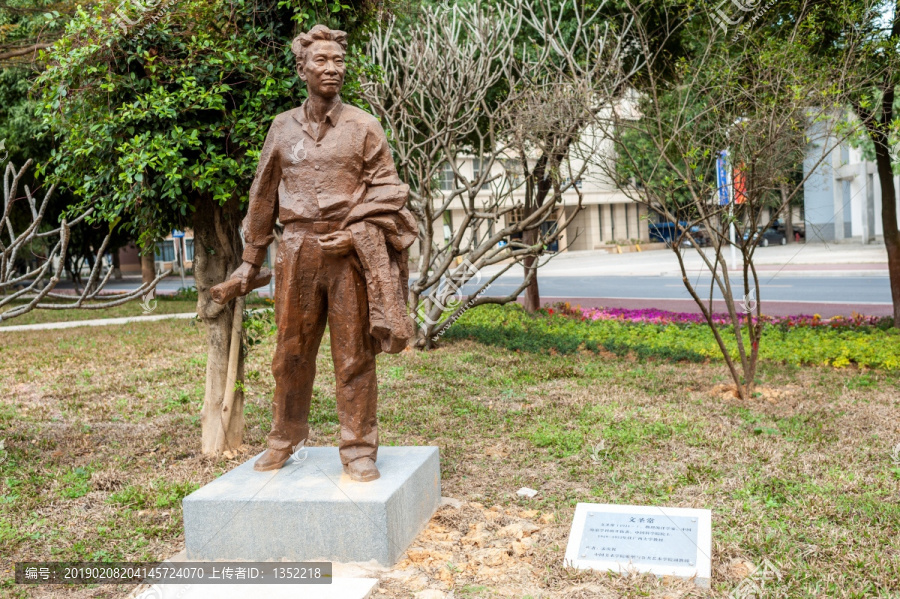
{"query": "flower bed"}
(654, 316)
(862, 341)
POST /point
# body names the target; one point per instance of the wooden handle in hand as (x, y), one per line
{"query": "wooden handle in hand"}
(230, 289)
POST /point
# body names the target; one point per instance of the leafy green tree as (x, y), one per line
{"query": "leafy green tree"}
(160, 108)
(862, 35)
(772, 102)
(879, 110)
(27, 26)
(830, 30)
(23, 138)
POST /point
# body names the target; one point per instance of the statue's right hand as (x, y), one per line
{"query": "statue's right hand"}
(245, 273)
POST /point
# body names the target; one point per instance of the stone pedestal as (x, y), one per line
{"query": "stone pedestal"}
(312, 511)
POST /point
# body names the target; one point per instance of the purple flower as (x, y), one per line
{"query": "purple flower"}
(655, 316)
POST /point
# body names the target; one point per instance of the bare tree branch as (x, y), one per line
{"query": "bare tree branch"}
(771, 108)
(23, 51)
(455, 89)
(37, 276)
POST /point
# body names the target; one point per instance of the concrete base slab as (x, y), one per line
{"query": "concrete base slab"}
(312, 511)
(340, 588)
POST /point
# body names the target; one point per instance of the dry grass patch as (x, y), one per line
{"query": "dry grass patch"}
(101, 430)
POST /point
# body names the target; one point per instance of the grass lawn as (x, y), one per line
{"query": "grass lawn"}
(101, 434)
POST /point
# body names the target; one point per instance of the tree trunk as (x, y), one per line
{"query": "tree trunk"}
(532, 293)
(148, 268)
(117, 266)
(878, 132)
(788, 216)
(889, 223)
(91, 262)
(537, 189)
(73, 269)
(217, 253)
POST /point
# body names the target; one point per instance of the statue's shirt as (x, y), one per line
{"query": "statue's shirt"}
(309, 175)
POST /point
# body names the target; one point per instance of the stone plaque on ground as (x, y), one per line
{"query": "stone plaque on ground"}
(661, 540)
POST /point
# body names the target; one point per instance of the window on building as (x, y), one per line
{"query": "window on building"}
(478, 168)
(514, 173)
(446, 177)
(512, 217)
(165, 250)
(188, 249)
(549, 228)
(448, 225)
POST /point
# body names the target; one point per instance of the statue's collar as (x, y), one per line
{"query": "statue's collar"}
(331, 117)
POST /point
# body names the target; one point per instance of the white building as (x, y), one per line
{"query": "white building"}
(842, 197)
(607, 216)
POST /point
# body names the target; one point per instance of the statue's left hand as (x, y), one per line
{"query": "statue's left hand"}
(337, 243)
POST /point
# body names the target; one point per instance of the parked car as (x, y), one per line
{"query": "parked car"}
(799, 230)
(769, 236)
(700, 235)
(663, 232)
(668, 232)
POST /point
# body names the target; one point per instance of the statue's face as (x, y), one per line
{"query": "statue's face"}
(324, 69)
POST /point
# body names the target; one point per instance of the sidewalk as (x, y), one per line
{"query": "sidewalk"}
(799, 259)
(96, 322)
(812, 259)
(168, 286)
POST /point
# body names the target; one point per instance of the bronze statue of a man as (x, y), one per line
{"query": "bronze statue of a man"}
(326, 173)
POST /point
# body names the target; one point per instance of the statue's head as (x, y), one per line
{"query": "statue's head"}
(320, 59)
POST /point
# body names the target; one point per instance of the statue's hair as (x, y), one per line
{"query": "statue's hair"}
(318, 33)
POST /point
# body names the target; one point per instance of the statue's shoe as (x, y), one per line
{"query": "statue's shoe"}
(272, 459)
(362, 470)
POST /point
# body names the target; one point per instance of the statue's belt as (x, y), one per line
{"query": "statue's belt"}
(314, 226)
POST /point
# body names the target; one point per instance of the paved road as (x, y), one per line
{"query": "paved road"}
(862, 290)
(827, 296)
(799, 279)
(813, 278)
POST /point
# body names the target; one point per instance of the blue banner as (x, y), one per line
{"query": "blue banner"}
(722, 177)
